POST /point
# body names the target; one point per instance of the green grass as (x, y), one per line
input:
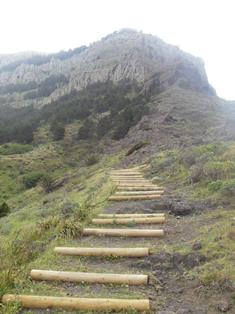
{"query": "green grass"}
(14, 148)
(205, 172)
(38, 220)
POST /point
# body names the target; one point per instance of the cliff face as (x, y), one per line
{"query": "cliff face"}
(40, 79)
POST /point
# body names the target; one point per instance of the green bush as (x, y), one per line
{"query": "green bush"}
(196, 174)
(229, 188)
(92, 160)
(215, 186)
(46, 183)
(32, 179)
(57, 130)
(217, 170)
(4, 209)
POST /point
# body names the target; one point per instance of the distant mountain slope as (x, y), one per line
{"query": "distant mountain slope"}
(126, 89)
(127, 54)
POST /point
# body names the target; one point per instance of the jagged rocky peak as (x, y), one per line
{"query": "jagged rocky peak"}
(125, 54)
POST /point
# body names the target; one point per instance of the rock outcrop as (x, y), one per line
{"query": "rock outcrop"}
(126, 54)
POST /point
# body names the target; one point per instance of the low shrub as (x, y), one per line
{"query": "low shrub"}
(229, 188)
(14, 148)
(92, 160)
(32, 179)
(61, 227)
(196, 173)
(217, 170)
(4, 209)
(215, 186)
(46, 182)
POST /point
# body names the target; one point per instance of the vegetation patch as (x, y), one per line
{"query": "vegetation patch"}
(15, 148)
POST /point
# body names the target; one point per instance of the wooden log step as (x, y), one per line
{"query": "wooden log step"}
(69, 276)
(123, 221)
(126, 174)
(122, 179)
(88, 251)
(150, 192)
(120, 182)
(139, 188)
(131, 215)
(118, 177)
(67, 303)
(120, 198)
(130, 232)
(137, 184)
(133, 170)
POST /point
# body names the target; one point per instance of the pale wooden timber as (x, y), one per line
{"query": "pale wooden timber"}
(141, 179)
(119, 177)
(69, 276)
(139, 188)
(131, 182)
(126, 174)
(123, 221)
(136, 184)
(67, 303)
(87, 251)
(130, 215)
(124, 232)
(140, 192)
(134, 197)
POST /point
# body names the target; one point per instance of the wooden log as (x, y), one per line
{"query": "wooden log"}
(120, 198)
(139, 188)
(118, 177)
(140, 192)
(123, 221)
(137, 180)
(140, 184)
(126, 171)
(124, 232)
(87, 251)
(126, 174)
(69, 276)
(67, 303)
(131, 215)
(135, 183)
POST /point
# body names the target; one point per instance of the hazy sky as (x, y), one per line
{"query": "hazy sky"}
(205, 28)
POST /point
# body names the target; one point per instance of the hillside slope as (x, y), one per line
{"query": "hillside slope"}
(66, 119)
(127, 54)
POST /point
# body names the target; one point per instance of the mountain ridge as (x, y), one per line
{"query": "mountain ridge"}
(126, 54)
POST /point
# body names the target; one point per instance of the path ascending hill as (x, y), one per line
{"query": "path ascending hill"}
(116, 242)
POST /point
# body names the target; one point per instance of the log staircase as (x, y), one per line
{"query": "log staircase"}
(130, 186)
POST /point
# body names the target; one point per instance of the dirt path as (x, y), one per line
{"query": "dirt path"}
(170, 289)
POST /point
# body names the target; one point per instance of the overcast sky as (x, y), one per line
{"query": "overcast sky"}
(205, 28)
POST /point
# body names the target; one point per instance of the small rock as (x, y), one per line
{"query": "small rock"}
(197, 246)
(223, 306)
(177, 217)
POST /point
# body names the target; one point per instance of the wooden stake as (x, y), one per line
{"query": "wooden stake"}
(123, 221)
(88, 304)
(124, 232)
(87, 251)
(69, 276)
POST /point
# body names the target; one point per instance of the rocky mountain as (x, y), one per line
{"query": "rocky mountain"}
(40, 79)
(127, 89)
